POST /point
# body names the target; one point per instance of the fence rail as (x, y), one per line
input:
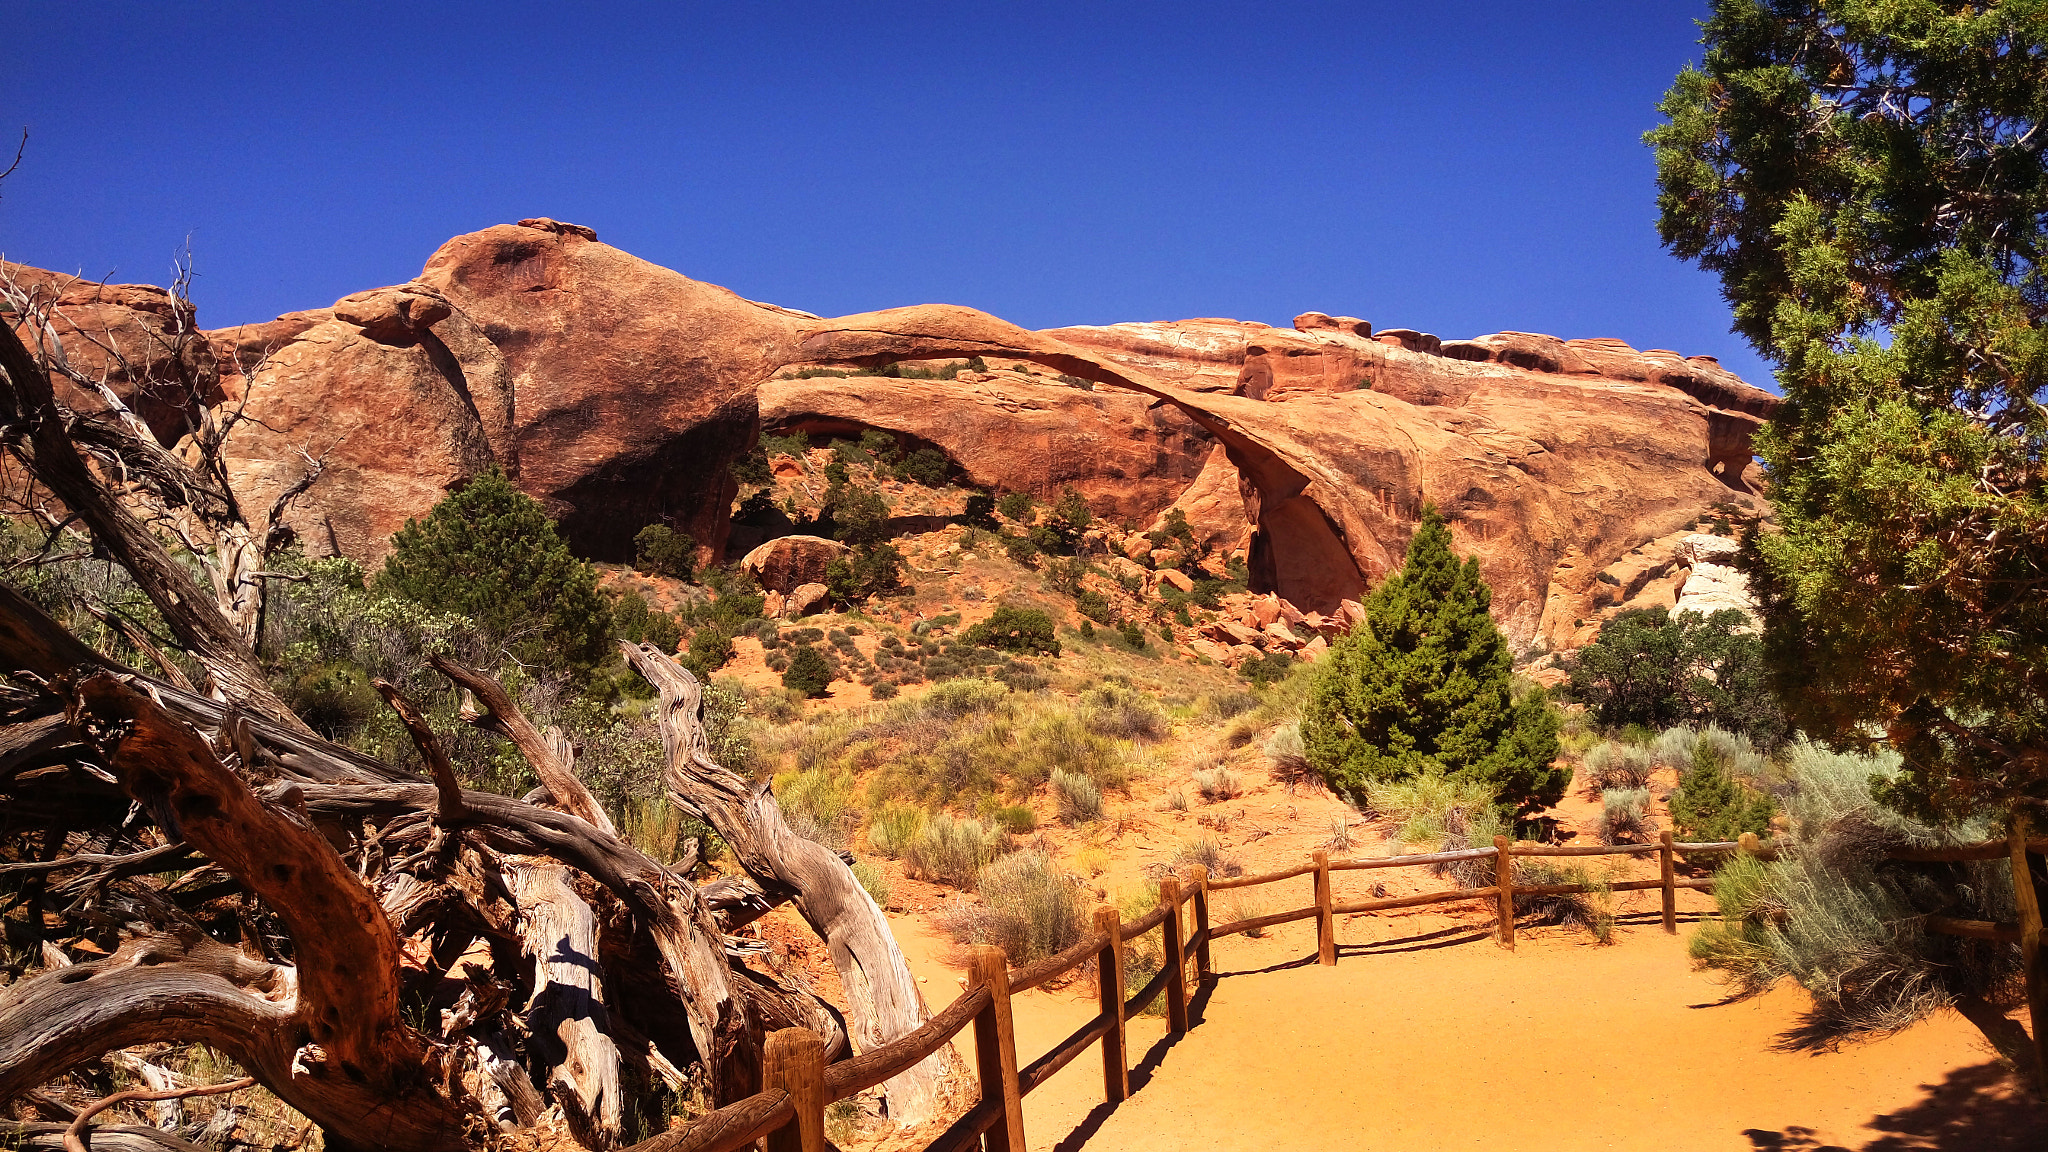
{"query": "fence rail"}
(789, 1111)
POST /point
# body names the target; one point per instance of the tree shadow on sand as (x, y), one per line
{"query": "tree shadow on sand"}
(1980, 1108)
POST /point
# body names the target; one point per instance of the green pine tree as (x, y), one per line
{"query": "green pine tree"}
(1425, 685)
(490, 552)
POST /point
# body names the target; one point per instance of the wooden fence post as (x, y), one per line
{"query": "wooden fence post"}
(995, 1050)
(1198, 887)
(1109, 972)
(793, 1059)
(2031, 954)
(1176, 960)
(1504, 884)
(1670, 882)
(1326, 920)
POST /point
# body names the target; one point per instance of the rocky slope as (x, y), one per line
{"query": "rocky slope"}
(619, 393)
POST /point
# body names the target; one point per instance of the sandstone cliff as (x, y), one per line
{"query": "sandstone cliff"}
(619, 393)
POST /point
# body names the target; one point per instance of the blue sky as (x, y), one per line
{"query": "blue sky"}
(1455, 167)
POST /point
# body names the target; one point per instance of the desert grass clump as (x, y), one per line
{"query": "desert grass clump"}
(872, 879)
(1208, 852)
(1839, 917)
(1218, 784)
(1121, 712)
(894, 829)
(1735, 755)
(1080, 799)
(1625, 816)
(1340, 833)
(1093, 860)
(1060, 740)
(1288, 756)
(1246, 907)
(1029, 908)
(955, 699)
(1591, 910)
(1016, 819)
(954, 849)
(818, 803)
(1614, 764)
(1431, 805)
(1175, 800)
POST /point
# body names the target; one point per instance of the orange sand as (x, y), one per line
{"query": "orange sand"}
(1450, 1041)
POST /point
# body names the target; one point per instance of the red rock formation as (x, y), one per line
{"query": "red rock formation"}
(788, 562)
(618, 392)
(392, 389)
(138, 338)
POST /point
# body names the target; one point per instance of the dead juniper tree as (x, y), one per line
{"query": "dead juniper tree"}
(408, 963)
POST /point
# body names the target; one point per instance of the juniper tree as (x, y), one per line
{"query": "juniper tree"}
(490, 552)
(1425, 684)
(1868, 180)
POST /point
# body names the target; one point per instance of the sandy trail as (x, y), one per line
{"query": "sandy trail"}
(1453, 1042)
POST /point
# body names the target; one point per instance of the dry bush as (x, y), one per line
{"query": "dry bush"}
(1029, 908)
(1217, 784)
(1625, 816)
(1618, 765)
(1289, 757)
(1121, 712)
(1245, 908)
(1207, 852)
(1079, 799)
(1175, 800)
(1430, 806)
(954, 849)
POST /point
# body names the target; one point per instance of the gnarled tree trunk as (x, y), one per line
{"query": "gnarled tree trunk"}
(883, 1000)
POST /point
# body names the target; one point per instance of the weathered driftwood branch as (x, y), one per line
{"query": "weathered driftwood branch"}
(74, 1138)
(507, 720)
(335, 1048)
(882, 998)
(438, 765)
(567, 1011)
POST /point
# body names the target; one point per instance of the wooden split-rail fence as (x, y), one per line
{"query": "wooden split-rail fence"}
(789, 1113)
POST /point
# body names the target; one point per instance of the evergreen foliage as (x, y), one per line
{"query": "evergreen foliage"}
(662, 551)
(1425, 685)
(1868, 179)
(1014, 629)
(489, 552)
(808, 672)
(1651, 668)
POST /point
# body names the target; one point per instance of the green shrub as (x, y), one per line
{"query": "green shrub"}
(1015, 507)
(980, 511)
(808, 672)
(1711, 805)
(1029, 908)
(1016, 819)
(1651, 668)
(1013, 629)
(662, 551)
(710, 650)
(952, 849)
(926, 466)
(883, 691)
(489, 552)
(1080, 800)
(1267, 668)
